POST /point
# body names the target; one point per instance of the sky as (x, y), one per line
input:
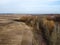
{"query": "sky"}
(30, 6)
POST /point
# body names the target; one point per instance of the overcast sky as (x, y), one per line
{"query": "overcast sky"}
(30, 6)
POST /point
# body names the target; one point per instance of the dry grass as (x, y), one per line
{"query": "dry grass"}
(26, 30)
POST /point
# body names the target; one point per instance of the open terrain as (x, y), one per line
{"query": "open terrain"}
(28, 29)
